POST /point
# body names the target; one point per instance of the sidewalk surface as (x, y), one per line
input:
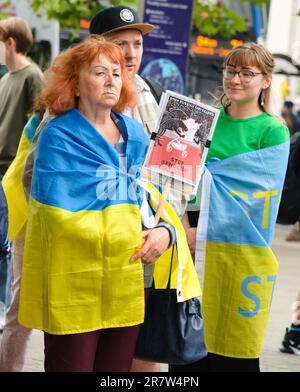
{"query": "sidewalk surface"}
(288, 284)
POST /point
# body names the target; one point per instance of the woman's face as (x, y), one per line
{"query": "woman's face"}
(244, 84)
(100, 83)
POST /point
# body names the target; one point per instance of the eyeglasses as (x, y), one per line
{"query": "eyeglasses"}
(245, 75)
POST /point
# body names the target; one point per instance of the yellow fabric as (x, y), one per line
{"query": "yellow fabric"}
(242, 291)
(68, 282)
(184, 276)
(12, 185)
(59, 294)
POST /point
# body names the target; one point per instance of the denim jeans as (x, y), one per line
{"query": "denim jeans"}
(5, 280)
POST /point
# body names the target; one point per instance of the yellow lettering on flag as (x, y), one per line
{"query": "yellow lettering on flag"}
(267, 196)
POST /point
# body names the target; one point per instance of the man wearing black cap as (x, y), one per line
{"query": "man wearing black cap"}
(121, 25)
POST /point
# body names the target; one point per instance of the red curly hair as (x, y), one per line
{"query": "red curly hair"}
(58, 92)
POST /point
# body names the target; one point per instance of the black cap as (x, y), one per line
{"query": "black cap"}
(116, 19)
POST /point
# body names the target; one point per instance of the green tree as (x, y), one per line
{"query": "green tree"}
(6, 9)
(69, 13)
(209, 16)
(215, 17)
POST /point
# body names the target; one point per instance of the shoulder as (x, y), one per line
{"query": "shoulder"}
(130, 122)
(33, 72)
(274, 131)
(154, 88)
(57, 126)
(134, 129)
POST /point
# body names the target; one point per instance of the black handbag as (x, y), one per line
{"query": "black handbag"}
(172, 332)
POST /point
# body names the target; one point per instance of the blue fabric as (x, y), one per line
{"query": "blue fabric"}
(93, 164)
(4, 245)
(32, 125)
(239, 197)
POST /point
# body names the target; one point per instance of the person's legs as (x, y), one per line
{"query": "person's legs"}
(291, 340)
(139, 365)
(15, 337)
(294, 234)
(116, 349)
(5, 287)
(71, 353)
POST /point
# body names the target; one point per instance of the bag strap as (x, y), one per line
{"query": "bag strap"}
(169, 279)
(155, 88)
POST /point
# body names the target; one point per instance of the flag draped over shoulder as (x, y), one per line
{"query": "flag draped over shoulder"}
(12, 181)
(238, 212)
(83, 228)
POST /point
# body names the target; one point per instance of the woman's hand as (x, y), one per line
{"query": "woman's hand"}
(191, 239)
(155, 243)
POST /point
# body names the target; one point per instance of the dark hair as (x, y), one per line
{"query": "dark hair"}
(19, 30)
(288, 104)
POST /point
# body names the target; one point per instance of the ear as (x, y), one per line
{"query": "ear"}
(10, 44)
(267, 81)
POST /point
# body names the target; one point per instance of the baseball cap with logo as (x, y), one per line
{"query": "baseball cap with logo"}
(116, 19)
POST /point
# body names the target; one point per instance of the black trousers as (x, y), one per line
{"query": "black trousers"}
(218, 363)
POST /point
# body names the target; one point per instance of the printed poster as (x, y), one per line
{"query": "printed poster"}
(180, 139)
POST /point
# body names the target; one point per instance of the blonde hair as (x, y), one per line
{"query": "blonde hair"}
(255, 55)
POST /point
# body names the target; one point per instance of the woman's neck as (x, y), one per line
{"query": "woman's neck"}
(242, 111)
(102, 121)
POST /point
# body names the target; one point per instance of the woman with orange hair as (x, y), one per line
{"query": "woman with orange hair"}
(81, 282)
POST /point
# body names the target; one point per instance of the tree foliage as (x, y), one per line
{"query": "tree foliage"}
(215, 17)
(6, 9)
(69, 13)
(209, 16)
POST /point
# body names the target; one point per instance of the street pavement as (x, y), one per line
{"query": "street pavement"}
(288, 284)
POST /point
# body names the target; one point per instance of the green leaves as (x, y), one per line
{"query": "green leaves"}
(210, 17)
(69, 13)
(6, 9)
(215, 17)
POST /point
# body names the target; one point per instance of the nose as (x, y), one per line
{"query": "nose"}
(236, 78)
(109, 78)
(130, 51)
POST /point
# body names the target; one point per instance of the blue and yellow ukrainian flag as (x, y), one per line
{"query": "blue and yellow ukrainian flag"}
(238, 213)
(83, 228)
(12, 181)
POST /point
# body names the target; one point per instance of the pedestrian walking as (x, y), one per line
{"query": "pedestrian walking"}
(18, 88)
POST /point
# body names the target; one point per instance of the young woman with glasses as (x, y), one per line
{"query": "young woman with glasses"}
(245, 170)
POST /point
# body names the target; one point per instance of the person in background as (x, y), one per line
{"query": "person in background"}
(15, 337)
(293, 123)
(18, 87)
(289, 117)
(291, 339)
(4, 251)
(242, 183)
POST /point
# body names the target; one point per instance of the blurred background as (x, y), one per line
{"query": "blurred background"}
(185, 50)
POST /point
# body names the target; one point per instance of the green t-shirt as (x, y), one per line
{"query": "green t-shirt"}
(17, 93)
(237, 136)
